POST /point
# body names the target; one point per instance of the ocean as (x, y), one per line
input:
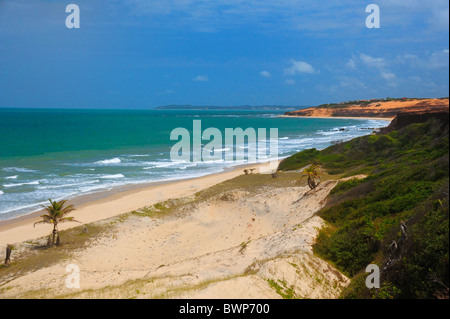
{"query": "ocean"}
(61, 153)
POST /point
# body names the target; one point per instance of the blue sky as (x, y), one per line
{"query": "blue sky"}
(146, 53)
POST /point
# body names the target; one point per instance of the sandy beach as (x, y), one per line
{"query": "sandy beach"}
(21, 229)
(389, 119)
(373, 109)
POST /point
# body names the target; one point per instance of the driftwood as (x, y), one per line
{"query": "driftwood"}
(249, 171)
(443, 292)
(8, 254)
(396, 248)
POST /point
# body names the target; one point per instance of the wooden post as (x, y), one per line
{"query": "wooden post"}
(8, 254)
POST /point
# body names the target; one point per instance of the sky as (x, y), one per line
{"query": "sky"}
(147, 53)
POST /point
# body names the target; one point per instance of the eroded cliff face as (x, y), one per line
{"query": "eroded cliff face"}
(406, 118)
(388, 109)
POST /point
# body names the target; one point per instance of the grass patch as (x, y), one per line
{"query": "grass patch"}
(37, 255)
(282, 289)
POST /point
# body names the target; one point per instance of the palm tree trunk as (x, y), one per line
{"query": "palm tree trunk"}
(54, 235)
(58, 241)
(311, 183)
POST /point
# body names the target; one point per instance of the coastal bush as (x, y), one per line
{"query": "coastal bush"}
(407, 185)
(345, 186)
(299, 160)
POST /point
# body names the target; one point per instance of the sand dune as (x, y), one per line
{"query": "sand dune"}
(237, 243)
(376, 109)
(22, 229)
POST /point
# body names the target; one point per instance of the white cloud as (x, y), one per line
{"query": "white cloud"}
(432, 15)
(388, 76)
(201, 78)
(312, 16)
(415, 78)
(166, 92)
(408, 58)
(431, 61)
(378, 63)
(298, 67)
(265, 74)
(211, 15)
(350, 82)
(381, 66)
(440, 19)
(351, 64)
(290, 82)
(438, 60)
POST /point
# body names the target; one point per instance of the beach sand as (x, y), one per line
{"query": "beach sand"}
(374, 109)
(21, 229)
(250, 236)
(389, 119)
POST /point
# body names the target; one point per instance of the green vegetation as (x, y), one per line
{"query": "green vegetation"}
(158, 210)
(397, 217)
(34, 255)
(365, 102)
(312, 172)
(243, 245)
(56, 214)
(283, 290)
(356, 102)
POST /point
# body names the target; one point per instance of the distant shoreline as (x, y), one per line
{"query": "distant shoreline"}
(227, 108)
(339, 117)
(382, 108)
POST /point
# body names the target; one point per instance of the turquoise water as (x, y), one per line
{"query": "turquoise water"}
(65, 153)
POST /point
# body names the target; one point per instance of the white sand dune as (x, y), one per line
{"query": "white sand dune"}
(234, 245)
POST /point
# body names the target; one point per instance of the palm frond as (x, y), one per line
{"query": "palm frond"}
(56, 212)
(41, 222)
(67, 210)
(69, 219)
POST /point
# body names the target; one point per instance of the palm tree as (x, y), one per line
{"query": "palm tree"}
(312, 172)
(56, 214)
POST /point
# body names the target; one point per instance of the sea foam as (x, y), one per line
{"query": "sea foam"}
(18, 169)
(112, 176)
(21, 184)
(109, 161)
